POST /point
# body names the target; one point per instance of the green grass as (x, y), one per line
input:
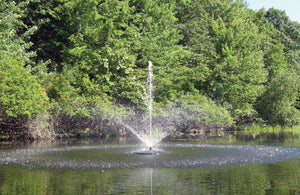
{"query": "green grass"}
(257, 129)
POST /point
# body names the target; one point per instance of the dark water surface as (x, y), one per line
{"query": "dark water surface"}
(217, 166)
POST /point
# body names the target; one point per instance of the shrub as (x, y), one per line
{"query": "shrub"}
(20, 93)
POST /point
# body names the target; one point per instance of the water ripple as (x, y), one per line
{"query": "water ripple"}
(124, 156)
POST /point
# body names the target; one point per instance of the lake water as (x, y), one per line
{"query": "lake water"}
(208, 166)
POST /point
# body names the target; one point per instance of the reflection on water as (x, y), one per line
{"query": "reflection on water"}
(281, 178)
(284, 138)
(184, 169)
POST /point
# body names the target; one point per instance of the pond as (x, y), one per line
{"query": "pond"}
(208, 166)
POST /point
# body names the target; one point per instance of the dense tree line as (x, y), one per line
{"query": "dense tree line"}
(83, 58)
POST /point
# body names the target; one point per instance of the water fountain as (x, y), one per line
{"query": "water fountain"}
(150, 127)
(150, 84)
(147, 138)
(126, 168)
(115, 168)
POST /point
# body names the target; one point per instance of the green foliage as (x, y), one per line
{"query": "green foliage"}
(276, 105)
(53, 27)
(229, 44)
(102, 48)
(20, 93)
(12, 43)
(239, 72)
(86, 56)
(200, 108)
(67, 97)
(287, 31)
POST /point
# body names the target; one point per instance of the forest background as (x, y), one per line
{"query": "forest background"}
(68, 66)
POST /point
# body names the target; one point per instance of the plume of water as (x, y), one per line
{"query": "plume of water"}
(151, 127)
(150, 109)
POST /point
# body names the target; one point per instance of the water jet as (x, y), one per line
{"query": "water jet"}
(144, 126)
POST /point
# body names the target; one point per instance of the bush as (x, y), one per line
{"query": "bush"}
(20, 93)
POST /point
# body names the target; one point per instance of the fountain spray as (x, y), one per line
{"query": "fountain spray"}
(149, 80)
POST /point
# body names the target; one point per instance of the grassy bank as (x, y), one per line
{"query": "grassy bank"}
(257, 129)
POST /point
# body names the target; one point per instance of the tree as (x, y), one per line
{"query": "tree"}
(277, 103)
(159, 41)
(288, 33)
(12, 43)
(53, 27)
(117, 40)
(101, 48)
(228, 43)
